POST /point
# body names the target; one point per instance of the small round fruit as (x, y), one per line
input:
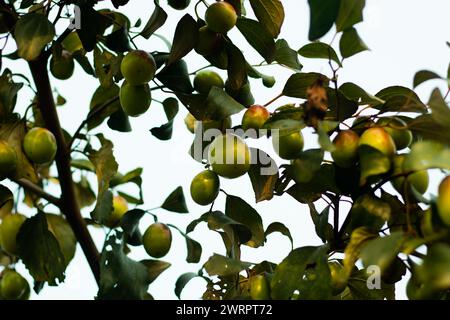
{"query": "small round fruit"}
(443, 201)
(255, 117)
(138, 67)
(205, 187)
(288, 144)
(346, 145)
(379, 139)
(229, 156)
(208, 41)
(220, 17)
(13, 286)
(8, 158)
(419, 180)
(9, 229)
(179, 4)
(397, 129)
(259, 288)
(338, 277)
(62, 67)
(39, 145)
(157, 240)
(120, 207)
(135, 99)
(189, 121)
(205, 80)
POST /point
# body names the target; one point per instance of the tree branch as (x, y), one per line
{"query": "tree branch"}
(69, 204)
(30, 186)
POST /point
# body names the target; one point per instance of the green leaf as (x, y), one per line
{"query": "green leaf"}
(350, 13)
(323, 228)
(175, 202)
(176, 77)
(194, 249)
(83, 164)
(359, 238)
(319, 50)
(219, 105)
(105, 169)
(156, 20)
(84, 63)
(223, 266)
(297, 84)
(323, 13)
(85, 194)
(119, 121)
(164, 132)
(286, 118)
(64, 234)
(435, 269)
(237, 75)
(382, 251)
(427, 155)
(322, 131)
(340, 108)
(184, 40)
(286, 56)
(263, 175)
(257, 36)
(33, 32)
(182, 281)
(118, 40)
(399, 98)
(368, 211)
(240, 211)
(120, 276)
(134, 176)
(373, 163)
(270, 13)
(358, 289)
(98, 113)
(130, 226)
(155, 268)
(427, 127)
(307, 164)
(93, 24)
(268, 81)
(351, 44)
(439, 108)
(6, 200)
(281, 228)
(8, 94)
(358, 94)
(40, 250)
(424, 75)
(107, 66)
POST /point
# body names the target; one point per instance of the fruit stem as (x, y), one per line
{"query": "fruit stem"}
(273, 100)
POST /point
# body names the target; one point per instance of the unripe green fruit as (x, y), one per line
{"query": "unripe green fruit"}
(135, 99)
(346, 145)
(402, 137)
(255, 117)
(39, 145)
(443, 201)
(120, 207)
(229, 156)
(379, 139)
(259, 288)
(157, 240)
(8, 158)
(288, 144)
(13, 286)
(205, 187)
(220, 17)
(205, 80)
(62, 67)
(189, 121)
(338, 277)
(9, 229)
(179, 4)
(138, 67)
(208, 41)
(419, 179)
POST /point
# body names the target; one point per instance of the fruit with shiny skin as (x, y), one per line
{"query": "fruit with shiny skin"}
(259, 287)
(379, 139)
(9, 229)
(13, 286)
(8, 158)
(62, 67)
(39, 145)
(120, 207)
(255, 117)
(346, 145)
(157, 240)
(179, 4)
(443, 201)
(138, 67)
(205, 80)
(402, 137)
(229, 156)
(220, 17)
(135, 99)
(288, 144)
(208, 41)
(205, 187)
(338, 277)
(192, 123)
(419, 180)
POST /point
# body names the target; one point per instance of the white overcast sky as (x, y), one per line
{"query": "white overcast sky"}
(404, 36)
